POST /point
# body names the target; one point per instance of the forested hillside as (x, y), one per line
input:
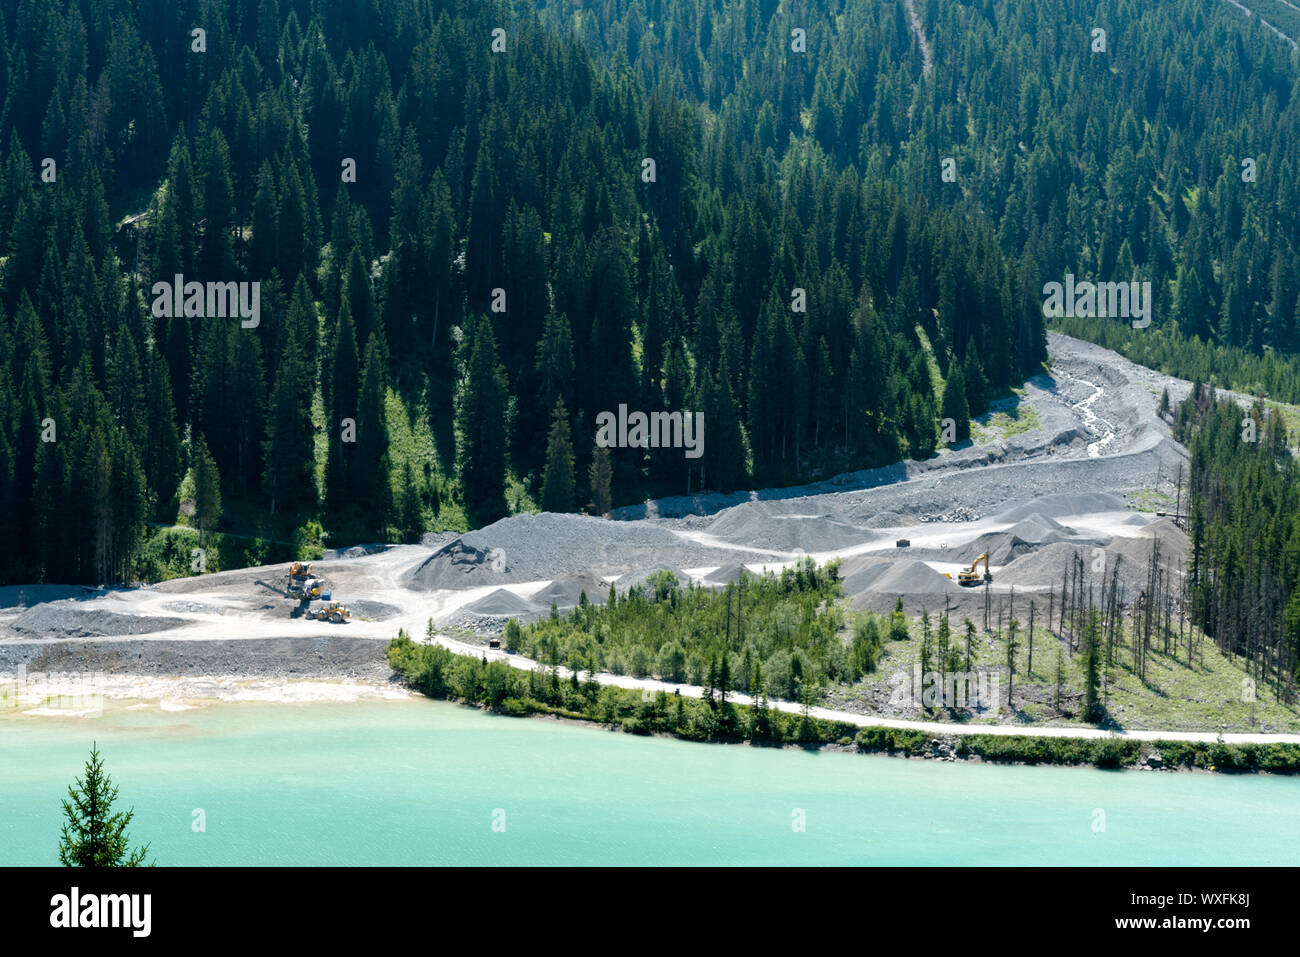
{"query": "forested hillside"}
(499, 269)
(1244, 516)
(1114, 156)
(475, 227)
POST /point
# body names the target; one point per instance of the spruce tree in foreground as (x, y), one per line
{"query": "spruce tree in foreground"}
(95, 835)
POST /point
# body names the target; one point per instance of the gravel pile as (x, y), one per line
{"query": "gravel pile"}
(887, 520)
(28, 596)
(785, 527)
(1046, 566)
(371, 610)
(479, 624)
(1023, 538)
(355, 551)
(1047, 508)
(526, 548)
(335, 656)
(455, 565)
(503, 603)
(1175, 548)
(912, 578)
(567, 593)
(58, 620)
(862, 580)
(1000, 547)
(725, 574)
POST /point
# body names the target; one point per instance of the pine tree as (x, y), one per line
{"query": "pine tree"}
(551, 377)
(370, 478)
(246, 381)
(725, 452)
(1092, 709)
(954, 401)
(207, 492)
(162, 445)
(94, 835)
(898, 622)
(345, 387)
(95, 477)
(762, 717)
(216, 257)
(558, 483)
(411, 513)
(977, 396)
(483, 428)
(262, 249)
(288, 449)
(600, 476)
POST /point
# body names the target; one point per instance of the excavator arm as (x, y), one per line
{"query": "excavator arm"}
(971, 576)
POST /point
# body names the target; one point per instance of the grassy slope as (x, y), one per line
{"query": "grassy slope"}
(1205, 697)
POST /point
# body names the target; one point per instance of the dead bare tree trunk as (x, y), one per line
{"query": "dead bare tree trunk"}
(1029, 668)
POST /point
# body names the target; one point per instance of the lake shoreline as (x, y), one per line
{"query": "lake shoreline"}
(944, 749)
(500, 686)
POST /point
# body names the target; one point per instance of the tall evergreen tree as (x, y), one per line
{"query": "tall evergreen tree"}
(94, 834)
(954, 401)
(370, 475)
(558, 483)
(207, 492)
(482, 422)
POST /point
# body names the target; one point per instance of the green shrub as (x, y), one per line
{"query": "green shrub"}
(1110, 753)
(169, 553)
(308, 539)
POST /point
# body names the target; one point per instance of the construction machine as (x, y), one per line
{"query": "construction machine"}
(332, 612)
(971, 576)
(302, 585)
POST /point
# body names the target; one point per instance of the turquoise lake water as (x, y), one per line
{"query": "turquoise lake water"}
(424, 782)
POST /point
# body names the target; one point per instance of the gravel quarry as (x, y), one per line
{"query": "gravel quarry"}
(1073, 483)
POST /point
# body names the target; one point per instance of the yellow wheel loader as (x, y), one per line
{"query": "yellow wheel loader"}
(333, 613)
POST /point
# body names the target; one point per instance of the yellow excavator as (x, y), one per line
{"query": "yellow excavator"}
(970, 577)
(302, 585)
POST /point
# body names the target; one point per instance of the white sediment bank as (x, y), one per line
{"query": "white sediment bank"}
(85, 695)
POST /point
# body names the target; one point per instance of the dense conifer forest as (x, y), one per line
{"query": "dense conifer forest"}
(455, 233)
(1243, 505)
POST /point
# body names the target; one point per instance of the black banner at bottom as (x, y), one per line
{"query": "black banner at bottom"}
(335, 905)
